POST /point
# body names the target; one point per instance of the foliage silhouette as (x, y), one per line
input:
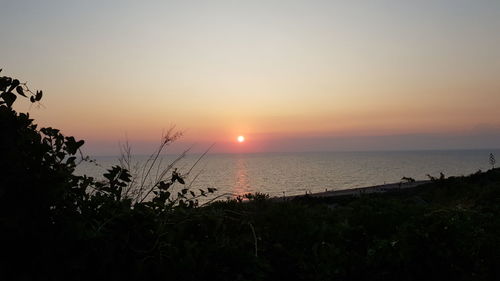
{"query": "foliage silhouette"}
(41, 198)
(408, 179)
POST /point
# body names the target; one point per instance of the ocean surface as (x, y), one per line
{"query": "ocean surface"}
(279, 174)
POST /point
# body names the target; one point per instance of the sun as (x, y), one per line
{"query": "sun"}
(241, 139)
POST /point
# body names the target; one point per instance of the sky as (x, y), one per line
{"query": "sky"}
(288, 75)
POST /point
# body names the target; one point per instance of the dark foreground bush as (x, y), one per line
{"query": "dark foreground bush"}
(55, 225)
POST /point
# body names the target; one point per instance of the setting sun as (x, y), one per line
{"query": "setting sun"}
(373, 139)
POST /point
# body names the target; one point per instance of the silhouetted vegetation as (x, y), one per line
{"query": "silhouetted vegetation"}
(56, 225)
(408, 179)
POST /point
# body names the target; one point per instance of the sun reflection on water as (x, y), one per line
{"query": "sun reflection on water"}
(242, 180)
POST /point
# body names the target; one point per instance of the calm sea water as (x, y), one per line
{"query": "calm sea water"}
(296, 173)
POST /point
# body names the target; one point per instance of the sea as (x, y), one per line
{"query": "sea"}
(285, 174)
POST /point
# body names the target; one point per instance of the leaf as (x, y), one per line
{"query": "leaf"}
(49, 131)
(184, 191)
(32, 99)
(71, 160)
(125, 175)
(38, 96)
(180, 180)
(112, 173)
(164, 185)
(20, 91)
(13, 85)
(192, 193)
(4, 82)
(72, 145)
(80, 143)
(9, 98)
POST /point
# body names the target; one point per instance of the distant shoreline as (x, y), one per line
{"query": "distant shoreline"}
(359, 190)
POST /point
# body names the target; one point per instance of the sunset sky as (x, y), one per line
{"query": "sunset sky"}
(287, 75)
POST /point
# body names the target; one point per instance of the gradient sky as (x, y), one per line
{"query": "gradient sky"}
(289, 75)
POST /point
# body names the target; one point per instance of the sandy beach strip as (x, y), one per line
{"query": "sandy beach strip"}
(359, 190)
